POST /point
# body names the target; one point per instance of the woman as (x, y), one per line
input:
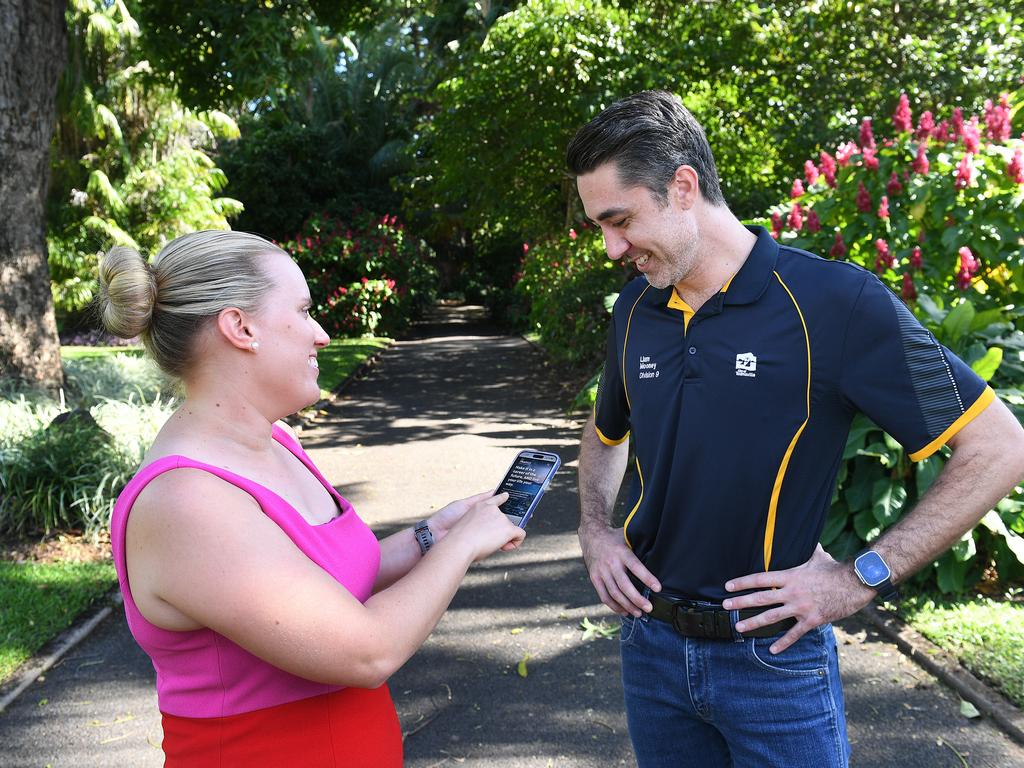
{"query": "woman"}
(272, 614)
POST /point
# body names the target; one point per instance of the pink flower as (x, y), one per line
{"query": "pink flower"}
(968, 261)
(916, 262)
(909, 292)
(844, 152)
(958, 122)
(870, 160)
(964, 173)
(883, 208)
(798, 189)
(867, 136)
(810, 173)
(796, 217)
(943, 132)
(828, 168)
(776, 225)
(838, 249)
(971, 135)
(894, 187)
(1015, 168)
(884, 258)
(526, 247)
(864, 204)
(813, 224)
(925, 125)
(572, 234)
(921, 159)
(901, 118)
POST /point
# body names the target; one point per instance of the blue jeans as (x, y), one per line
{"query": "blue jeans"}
(711, 703)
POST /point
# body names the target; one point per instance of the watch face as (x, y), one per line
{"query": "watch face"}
(872, 568)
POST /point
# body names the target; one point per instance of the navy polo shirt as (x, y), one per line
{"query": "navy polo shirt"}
(739, 413)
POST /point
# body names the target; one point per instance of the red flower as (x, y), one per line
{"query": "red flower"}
(796, 217)
(921, 159)
(925, 125)
(997, 118)
(964, 173)
(844, 152)
(526, 247)
(885, 257)
(971, 135)
(909, 292)
(916, 262)
(958, 122)
(870, 161)
(894, 187)
(828, 168)
(901, 118)
(867, 136)
(813, 224)
(1015, 168)
(943, 132)
(838, 249)
(776, 225)
(810, 173)
(572, 234)
(797, 190)
(968, 262)
(864, 204)
(883, 208)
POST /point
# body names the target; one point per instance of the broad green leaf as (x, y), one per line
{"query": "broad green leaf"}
(925, 473)
(1014, 542)
(958, 321)
(987, 366)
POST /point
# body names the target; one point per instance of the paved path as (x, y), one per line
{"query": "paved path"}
(440, 416)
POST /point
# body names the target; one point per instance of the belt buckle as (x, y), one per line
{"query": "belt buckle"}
(698, 624)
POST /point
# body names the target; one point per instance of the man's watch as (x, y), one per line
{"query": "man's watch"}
(874, 572)
(424, 537)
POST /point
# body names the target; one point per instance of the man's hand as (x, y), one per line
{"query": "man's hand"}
(609, 562)
(819, 591)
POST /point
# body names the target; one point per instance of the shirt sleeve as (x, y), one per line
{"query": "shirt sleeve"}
(897, 374)
(611, 412)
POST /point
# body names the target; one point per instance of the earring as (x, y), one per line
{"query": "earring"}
(254, 346)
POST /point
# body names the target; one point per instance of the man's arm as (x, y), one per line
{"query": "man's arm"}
(987, 462)
(605, 553)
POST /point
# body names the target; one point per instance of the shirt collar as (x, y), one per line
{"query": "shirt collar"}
(750, 282)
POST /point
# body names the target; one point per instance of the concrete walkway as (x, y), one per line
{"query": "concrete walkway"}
(440, 416)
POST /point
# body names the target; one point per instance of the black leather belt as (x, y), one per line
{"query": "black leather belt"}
(692, 619)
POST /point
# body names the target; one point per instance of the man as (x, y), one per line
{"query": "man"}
(737, 366)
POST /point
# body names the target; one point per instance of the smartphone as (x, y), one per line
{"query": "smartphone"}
(525, 482)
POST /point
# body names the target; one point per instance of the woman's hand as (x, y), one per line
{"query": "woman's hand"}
(442, 521)
(483, 528)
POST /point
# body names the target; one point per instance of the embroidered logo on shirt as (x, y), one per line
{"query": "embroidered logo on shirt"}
(746, 364)
(648, 370)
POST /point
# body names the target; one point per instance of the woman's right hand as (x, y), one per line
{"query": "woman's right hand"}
(484, 529)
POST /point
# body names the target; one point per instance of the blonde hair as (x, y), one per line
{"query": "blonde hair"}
(190, 281)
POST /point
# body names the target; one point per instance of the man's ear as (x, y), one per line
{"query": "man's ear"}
(685, 187)
(238, 328)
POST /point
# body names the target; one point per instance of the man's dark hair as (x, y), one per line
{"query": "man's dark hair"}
(647, 135)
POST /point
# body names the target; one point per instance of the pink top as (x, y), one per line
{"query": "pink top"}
(200, 673)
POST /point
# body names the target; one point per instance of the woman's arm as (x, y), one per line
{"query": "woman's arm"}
(201, 553)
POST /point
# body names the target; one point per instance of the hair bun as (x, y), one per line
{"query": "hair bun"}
(127, 292)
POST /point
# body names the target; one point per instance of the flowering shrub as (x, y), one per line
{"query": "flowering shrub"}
(936, 212)
(570, 283)
(364, 276)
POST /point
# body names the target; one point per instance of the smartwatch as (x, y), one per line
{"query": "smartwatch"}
(875, 573)
(423, 536)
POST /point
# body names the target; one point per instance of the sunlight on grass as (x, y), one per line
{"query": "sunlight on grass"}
(343, 356)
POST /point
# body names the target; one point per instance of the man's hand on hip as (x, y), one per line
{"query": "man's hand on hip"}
(609, 562)
(819, 591)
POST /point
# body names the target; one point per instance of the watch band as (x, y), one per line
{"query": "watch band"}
(423, 536)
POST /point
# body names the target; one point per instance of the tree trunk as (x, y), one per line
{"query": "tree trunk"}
(32, 56)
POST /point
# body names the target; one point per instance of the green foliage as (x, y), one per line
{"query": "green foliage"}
(131, 166)
(42, 599)
(986, 635)
(569, 285)
(364, 276)
(342, 357)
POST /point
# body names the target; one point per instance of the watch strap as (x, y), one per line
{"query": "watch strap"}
(424, 536)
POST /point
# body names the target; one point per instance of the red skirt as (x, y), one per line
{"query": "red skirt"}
(353, 727)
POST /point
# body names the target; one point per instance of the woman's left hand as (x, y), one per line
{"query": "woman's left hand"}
(442, 520)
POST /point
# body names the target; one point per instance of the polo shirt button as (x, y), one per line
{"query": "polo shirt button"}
(693, 350)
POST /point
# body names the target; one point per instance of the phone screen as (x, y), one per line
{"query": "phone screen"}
(524, 483)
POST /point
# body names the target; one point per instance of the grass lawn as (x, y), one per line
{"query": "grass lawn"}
(986, 635)
(42, 599)
(343, 356)
(84, 353)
